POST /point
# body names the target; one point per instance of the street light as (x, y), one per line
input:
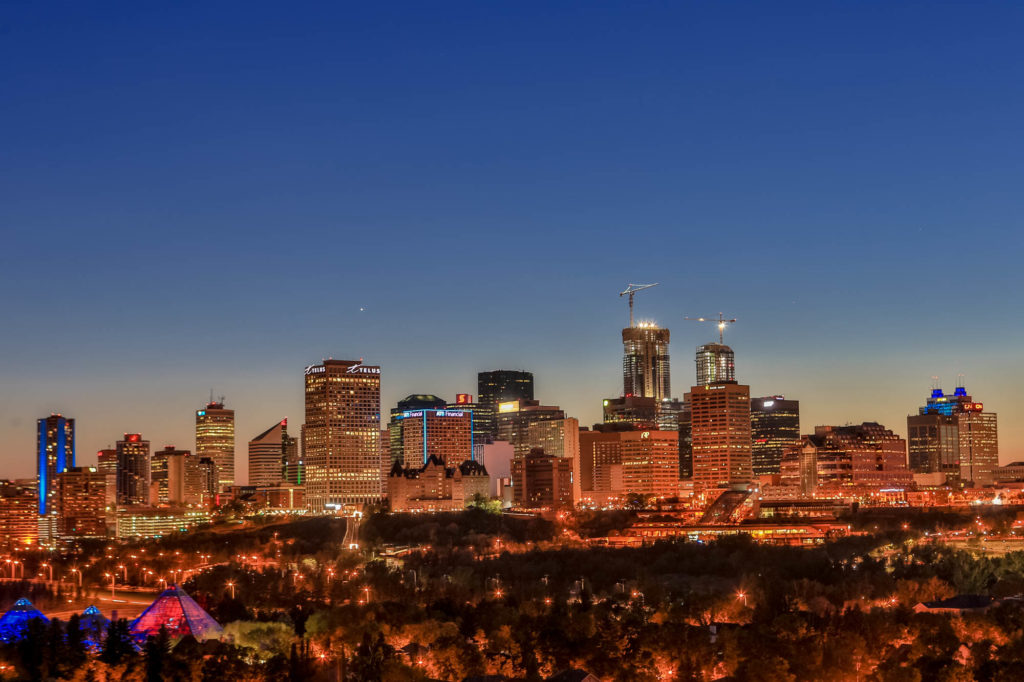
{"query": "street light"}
(50, 568)
(231, 586)
(79, 574)
(113, 578)
(742, 595)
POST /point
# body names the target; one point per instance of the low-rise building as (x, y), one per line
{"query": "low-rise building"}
(436, 487)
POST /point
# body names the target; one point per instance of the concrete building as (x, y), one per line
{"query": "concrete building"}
(846, 460)
(650, 462)
(82, 509)
(638, 412)
(444, 434)
(514, 419)
(979, 445)
(215, 439)
(159, 472)
(546, 481)
(19, 515)
(342, 450)
(497, 459)
(411, 403)
(133, 470)
(559, 438)
(720, 432)
(269, 453)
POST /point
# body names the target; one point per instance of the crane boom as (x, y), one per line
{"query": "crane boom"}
(722, 324)
(630, 290)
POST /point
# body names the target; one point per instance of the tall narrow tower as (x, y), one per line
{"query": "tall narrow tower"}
(56, 452)
(215, 439)
(645, 362)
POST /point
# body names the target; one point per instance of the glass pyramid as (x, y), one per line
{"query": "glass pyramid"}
(94, 626)
(180, 614)
(13, 623)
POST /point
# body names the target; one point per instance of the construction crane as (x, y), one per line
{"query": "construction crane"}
(722, 324)
(632, 289)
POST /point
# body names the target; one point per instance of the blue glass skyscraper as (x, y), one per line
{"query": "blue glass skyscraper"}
(56, 452)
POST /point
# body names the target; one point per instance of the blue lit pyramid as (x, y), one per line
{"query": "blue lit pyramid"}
(93, 625)
(180, 614)
(14, 622)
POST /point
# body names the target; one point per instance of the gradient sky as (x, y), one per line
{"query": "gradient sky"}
(205, 195)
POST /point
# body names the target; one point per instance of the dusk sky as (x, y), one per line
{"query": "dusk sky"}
(214, 195)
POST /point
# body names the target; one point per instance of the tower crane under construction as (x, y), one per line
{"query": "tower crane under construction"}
(630, 290)
(722, 324)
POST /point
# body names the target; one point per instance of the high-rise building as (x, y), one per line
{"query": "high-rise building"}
(446, 435)
(720, 432)
(55, 453)
(341, 446)
(416, 401)
(159, 474)
(774, 424)
(835, 459)
(546, 480)
(133, 470)
(514, 419)
(269, 454)
(559, 438)
(106, 461)
(82, 503)
(650, 462)
(637, 411)
(496, 387)
(483, 418)
(201, 480)
(215, 439)
(19, 514)
(645, 362)
(935, 441)
(979, 445)
(716, 363)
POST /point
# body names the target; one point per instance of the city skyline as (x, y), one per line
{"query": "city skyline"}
(216, 197)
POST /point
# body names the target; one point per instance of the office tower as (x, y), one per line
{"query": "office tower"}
(482, 420)
(82, 503)
(55, 453)
(645, 362)
(269, 454)
(106, 461)
(716, 363)
(514, 418)
(133, 470)
(835, 459)
(19, 514)
(636, 411)
(545, 481)
(417, 401)
(650, 462)
(342, 435)
(774, 424)
(159, 474)
(215, 439)
(446, 435)
(600, 464)
(979, 445)
(201, 480)
(177, 476)
(294, 467)
(500, 386)
(559, 438)
(934, 438)
(720, 432)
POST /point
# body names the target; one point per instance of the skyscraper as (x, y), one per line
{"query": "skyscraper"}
(645, 362)
(215, 439)
(515, 417)
(715, 364)
(979, 445)
(133, 470)
(159, 472)
(499, 386)
(82, 503)
(269, 454)
(446, 435)
(720, 432)
(936, 439)
(774, 424)
(55, 453)
(416, 401)
(341, 446)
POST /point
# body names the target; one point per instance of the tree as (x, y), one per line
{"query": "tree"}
(156, 650)
(118, 645)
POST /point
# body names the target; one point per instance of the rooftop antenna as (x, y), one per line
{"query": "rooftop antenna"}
(722, 324)
(211, 396)
(960, 380)
(936, 383)
(630, 290)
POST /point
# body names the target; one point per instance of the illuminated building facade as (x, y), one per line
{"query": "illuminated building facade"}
(433, 486)
(215, 439)
(846, 460)
(106, 461)
(446, 435)
(650, 462)
(417, 401)
(720, 433)
(645, 362)
(514, 419)
(133, 470)
(159, 473)
(559, 438)
(638, 412)
(19, 515)
(269, 453)
(774, 424)
(55, 453)
(600, 453)
(483, 424)
(716, 363)
(545, 481)
(342, 450)
(500, 386)
(933, 443)
(979, 445)
(82, 503)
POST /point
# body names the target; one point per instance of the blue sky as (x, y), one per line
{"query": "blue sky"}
(196, 196)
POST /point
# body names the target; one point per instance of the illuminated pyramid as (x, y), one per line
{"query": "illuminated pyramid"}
(180, 614)
(14, 622)
(94, 626)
